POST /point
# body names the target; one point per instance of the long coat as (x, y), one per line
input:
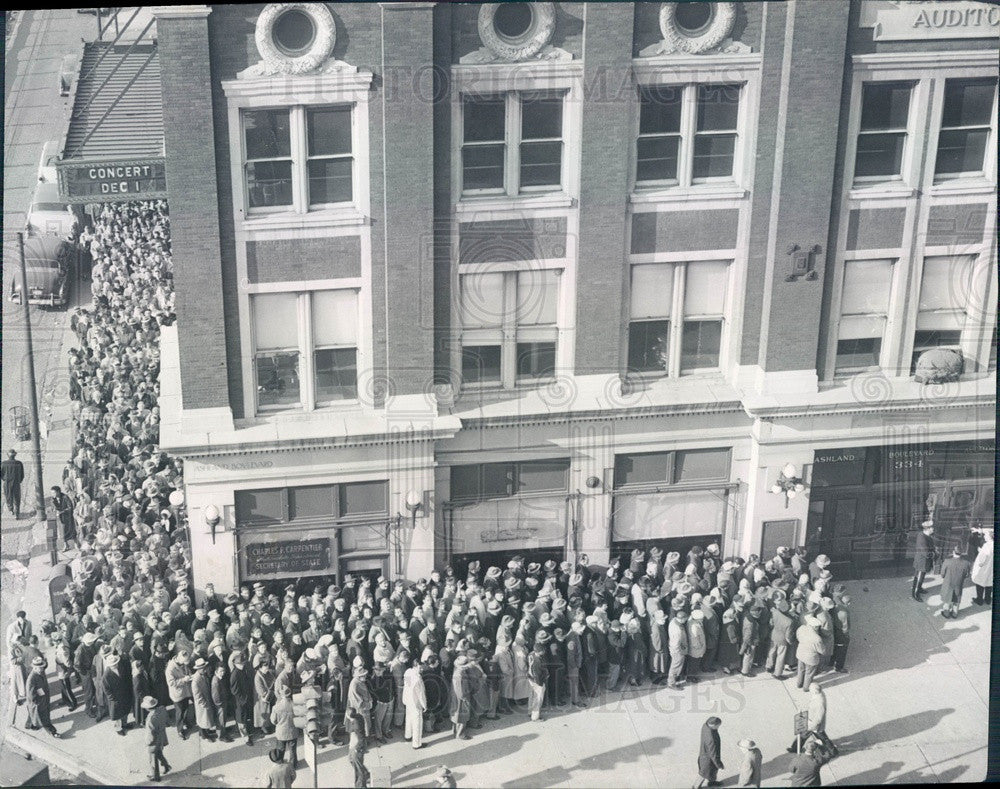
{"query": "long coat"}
(37, 698)
(283, 718)
(709, 753)
(954, 573)
(505, 659)
(982, 567)
(204, 708)
(463, 688)
(923, 554)
(521, 689)
(156, 728)
(263, 693)
(658, 644)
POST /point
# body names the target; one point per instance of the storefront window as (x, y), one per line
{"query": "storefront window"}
(501, 480)
(359, 498)
(542, 475)
(260, 506)
(309, 503)
(639, 469)
(698, 464)
(312, 502)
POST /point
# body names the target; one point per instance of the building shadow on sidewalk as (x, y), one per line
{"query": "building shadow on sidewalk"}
(479, 753)
(609, 760)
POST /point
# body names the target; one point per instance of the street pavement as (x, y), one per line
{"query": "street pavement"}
(913, 709)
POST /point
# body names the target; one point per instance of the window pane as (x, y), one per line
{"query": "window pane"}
(946, 283)
(695, 464)
(885, 105)
(537, 297)
(657, 159)
(329, 131)
(465, 482)
(482, 166)
(498, 479)
(541, 118)
(652, 289)
(647, 346)
(276, 321)
(480, 363)
(705, 288)
(718, 107)
(879, 154)
(700, 343)
(484, 119)
(540, 475)
(330, 181)
(357, 498)
(857, 354)
(314, 501)
(866, 287)
(854, 327)
(961, 150)
(267, 134)
(269, 183)
(925, 340)
(541, 163)
(644, 468)
(482, 302)
(968, 102)
(713, 155)
(336, 374)
(277, 378)
(660, 110)
(260, 506)
(536, 359)
(335, 317)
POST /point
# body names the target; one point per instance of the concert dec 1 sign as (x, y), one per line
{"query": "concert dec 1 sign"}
(96, 182)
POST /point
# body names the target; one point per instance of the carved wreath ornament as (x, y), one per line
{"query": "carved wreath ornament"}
(527, 45)
(274, 61)
(718, 30)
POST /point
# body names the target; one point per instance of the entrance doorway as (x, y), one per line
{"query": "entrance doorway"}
(370, 567)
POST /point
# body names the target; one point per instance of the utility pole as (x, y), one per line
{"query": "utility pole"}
(36, 445)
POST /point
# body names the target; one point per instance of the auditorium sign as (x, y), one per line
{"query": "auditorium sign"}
(111, 181)
(297, 557)
(907, 20)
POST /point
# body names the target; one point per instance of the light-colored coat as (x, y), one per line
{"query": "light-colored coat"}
(283, 718)
(204, 708)
(414, 691)
(817, 711)
(696, 639)
(505, 659)
(522, 688)
(178, 680)
(156, 728)
(982, 567)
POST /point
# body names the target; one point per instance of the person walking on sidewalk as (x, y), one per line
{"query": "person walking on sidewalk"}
(841, 632)
(817, 721)
(710, 753)
(750, 766)
(923, 558)
(37, 695)
(280, 775)
(356, 747)
(63, 506)
(806, 766)
(982, 569)
(12, 475)
(156, 737)
(954, 573)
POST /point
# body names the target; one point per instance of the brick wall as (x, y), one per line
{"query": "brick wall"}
(603, 188)
(684, 231)
(191, 169)
(304, 259)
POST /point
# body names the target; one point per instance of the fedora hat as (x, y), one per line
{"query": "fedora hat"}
(110, 661)
(200, 663)
(822, 560)
(149, 703)
(89, 638)
(542, 637)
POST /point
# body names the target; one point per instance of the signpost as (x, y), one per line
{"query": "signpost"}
(801, 725)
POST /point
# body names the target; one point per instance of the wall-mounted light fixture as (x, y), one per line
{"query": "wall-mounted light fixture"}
(414, 502)
(212, 517)
(789, 482)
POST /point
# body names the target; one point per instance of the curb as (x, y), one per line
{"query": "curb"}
(49, 753)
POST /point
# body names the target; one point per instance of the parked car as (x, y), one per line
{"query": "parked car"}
(48, 215)
(48, 262)
(47, 164)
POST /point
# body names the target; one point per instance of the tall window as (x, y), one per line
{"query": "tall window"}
(298, 158)
(509, 326)
(885, 111)
(665, 297)
(275, 506)
(512, 143)
(864, 309)
(965, 127)
(945, 288)
(305, 348)
(671, 468)
(687, 134)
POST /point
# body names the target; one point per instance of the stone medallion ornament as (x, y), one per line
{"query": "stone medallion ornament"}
(516, 32)
(295, 38)
(696, 29)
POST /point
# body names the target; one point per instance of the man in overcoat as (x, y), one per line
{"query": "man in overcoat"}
(923, 558)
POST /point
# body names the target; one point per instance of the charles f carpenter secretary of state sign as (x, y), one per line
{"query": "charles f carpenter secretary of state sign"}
(907, 20)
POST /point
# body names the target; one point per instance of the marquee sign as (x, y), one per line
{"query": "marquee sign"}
(112, 181)
(302, 557)
(906, 20)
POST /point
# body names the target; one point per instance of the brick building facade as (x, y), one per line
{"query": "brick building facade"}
(462, 281)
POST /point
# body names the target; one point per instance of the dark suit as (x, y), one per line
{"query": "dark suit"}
(12, 474)
(923, 561)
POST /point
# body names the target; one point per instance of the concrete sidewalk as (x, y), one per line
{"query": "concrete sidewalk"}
(913, 709)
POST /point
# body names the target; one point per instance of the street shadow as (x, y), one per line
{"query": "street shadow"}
(609, 760)
(884, 775)
(479, 753)
(895, 729)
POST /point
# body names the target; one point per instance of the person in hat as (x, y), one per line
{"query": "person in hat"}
(12, 475)
(359, 697)
(383, 690)
(63, 506)
(659, 647)
(809, 652)
(696, 644)
(283, 719)
(280, 775)
(710, 753)
(728, 656)
(462, 685)
(37, 699)
(415, 702)
(356, 747)
(749, 639)
(263, 695)
(117, 692)
(444, 779)
(924, 554)
(781, 638)
(982, 567)
(156, 737)
(141, 685)
(83, 663)
(538, 677)
(241, 686)
(955, 571)
(816, 713)
(750, 764)
(679, 646)
(179, 680)
(221, 699)
(805, 767)
(205, 714)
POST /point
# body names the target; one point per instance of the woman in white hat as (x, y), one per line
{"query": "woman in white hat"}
(750, 764)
